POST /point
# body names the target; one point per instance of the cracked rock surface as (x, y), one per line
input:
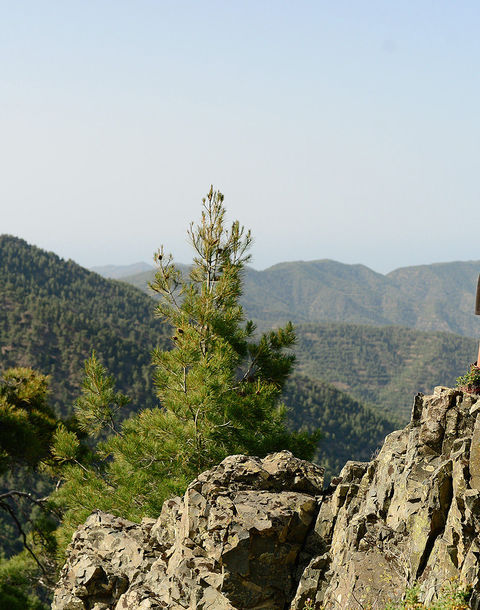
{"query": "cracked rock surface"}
(233, 541)
(261, 534)
(412, 515)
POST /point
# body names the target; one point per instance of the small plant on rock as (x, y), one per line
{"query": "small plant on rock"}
(470, 382)
(454, 596)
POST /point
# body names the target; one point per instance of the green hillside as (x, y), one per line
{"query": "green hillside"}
(382, 366)
(378, 364)
(444, 295)
(314, 291)
(53, 313)
(428, 297)
(350, 431)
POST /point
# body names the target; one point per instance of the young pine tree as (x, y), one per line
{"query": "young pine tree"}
(219, 387)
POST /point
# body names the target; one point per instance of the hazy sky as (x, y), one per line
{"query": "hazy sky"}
(344, 130)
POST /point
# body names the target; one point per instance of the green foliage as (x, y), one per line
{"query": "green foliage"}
(65, 445)
(222, 384)
(470, 382)
(350, 430)
(219, 388)
(27, 425)
(16, 577)
(26, 420)
(453, 596)
(99, 405)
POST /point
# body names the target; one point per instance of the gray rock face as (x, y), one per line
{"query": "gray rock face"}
(233, 541)
(253, 533)
(412, 515)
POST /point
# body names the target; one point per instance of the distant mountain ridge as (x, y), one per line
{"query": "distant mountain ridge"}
(436, 297)
(115, 272)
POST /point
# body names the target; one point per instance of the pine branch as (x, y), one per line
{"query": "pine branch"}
(21, 531)
(23, 494)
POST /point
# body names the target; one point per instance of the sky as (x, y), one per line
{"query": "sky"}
(345, 130)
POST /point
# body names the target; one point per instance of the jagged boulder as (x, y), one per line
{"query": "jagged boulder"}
(233, 541)
(254, 533)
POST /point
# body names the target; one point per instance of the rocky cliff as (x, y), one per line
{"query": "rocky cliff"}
(263, 534)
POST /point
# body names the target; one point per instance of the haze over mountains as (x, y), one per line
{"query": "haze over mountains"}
(436, 297)
(115, 272)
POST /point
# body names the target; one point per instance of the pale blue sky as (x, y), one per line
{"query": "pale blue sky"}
(344, 130)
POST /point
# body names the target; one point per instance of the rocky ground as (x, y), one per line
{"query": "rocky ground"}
(263, 533)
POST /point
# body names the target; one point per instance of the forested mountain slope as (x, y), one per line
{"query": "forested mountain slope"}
(385, 365)
(53, 313)
(349, 429)
(382, 366)
(444, 295)
(428, 297)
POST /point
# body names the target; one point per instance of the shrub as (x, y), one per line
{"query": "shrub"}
(470, 382)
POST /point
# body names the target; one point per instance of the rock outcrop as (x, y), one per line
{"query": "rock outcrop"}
(254, 533)
(233, 541)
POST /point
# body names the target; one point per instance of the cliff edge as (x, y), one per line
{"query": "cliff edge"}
(263, 533)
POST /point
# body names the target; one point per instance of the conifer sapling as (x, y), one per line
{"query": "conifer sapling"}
(219, 387)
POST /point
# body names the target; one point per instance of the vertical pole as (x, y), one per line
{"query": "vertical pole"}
(477, 313)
